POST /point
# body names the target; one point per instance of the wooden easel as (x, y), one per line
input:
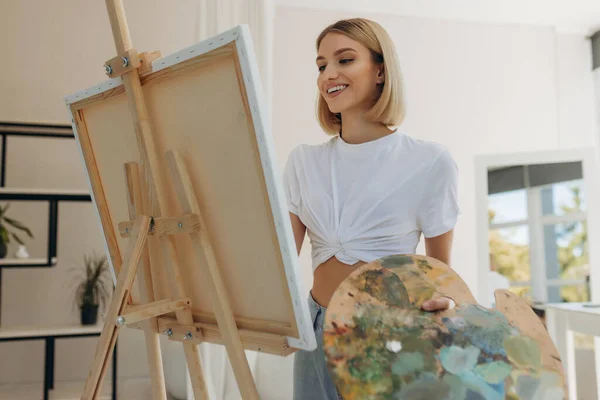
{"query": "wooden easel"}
(150, 227)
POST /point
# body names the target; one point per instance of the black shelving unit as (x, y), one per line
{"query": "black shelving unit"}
(52, 196)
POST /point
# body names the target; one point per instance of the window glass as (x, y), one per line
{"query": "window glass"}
(509, 252)
(507, 206)
(566, 198)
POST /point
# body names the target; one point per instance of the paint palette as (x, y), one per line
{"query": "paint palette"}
(379, 344)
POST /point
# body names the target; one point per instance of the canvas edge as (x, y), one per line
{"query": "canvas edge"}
(249, 67)
(93, 197)
(266, 146)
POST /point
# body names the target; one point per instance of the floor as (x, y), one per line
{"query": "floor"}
(138, 389)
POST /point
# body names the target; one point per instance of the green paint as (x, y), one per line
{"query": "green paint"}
(424, 265)
(550, 387)
(546, 387)
(523, 351)
(396, 261)
(370, 366)
(527, 386)
(471, 395)
(384, 286)
(457, 360)
(494, 372)
(424, 390)
(486, 329)
(457, 389)
(480, 316)
(408, 363)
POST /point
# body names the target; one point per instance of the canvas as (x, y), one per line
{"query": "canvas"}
(205, 101)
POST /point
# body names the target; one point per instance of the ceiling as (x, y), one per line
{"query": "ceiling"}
(577, 16)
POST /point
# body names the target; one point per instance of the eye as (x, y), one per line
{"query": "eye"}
(346, 60)
(321, 68)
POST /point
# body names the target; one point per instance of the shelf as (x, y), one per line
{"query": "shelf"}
(44, 194)
(62, 391)
(14, 332)
(26, 262)
(36, 130)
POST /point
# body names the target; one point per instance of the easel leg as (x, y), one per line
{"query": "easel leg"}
(109, 333)
(192, 351)
(215, 286)
(135, 202)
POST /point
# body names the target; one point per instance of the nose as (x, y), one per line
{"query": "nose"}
(329, 73)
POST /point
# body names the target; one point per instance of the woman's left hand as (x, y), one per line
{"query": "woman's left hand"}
(439, 304)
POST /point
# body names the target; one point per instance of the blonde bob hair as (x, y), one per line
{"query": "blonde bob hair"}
(389, 109)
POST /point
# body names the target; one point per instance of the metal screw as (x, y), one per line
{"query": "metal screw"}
(108, 69)
(188, 336)
(121, 321)
(180, 224)
(169, 332)
(125, 61)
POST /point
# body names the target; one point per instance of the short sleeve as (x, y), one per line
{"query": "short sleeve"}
(291, 183)
(438, 209)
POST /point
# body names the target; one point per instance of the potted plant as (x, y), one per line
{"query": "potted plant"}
(6, 234)
(92, 291)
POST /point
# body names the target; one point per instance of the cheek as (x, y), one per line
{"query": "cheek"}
(361, 78)
(319, 82)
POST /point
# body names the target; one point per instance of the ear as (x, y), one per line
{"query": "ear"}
(381, 75)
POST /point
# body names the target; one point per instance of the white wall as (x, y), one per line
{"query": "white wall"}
(49, 50)
(476, 88)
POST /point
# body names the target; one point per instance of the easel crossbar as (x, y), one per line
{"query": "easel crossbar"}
(136, 313)
(186, 223)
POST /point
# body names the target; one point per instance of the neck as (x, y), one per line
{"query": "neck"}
(357, 130)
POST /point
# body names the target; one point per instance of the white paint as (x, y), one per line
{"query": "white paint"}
(393, 345)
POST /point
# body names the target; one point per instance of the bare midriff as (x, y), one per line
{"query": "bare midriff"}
(328, 276)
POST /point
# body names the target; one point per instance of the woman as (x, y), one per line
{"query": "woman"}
(368, 192)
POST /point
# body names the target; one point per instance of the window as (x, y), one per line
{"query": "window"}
(538, 240)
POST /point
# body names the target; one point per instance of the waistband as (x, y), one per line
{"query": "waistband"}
(317, 312)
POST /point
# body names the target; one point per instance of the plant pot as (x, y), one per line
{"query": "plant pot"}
(89, 314)
(3, 250)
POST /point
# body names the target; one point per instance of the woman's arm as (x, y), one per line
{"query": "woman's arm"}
(299, 230)
(440, 248)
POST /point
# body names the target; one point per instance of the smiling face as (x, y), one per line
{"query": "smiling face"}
(349, 78)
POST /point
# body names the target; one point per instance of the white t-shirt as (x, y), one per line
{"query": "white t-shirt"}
(361, 202)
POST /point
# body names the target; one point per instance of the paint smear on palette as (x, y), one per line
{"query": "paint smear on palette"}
(379, 344)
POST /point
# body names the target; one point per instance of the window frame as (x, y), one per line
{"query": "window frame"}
(536, 221)
(587, 156)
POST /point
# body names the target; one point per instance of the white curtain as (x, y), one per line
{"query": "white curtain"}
(214, 17)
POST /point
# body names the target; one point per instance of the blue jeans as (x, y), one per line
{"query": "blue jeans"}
(311, 376)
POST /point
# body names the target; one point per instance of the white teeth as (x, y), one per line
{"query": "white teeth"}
(336, 88)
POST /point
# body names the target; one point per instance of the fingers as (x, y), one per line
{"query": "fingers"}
(442, 303)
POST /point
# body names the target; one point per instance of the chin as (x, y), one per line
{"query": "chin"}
(337, 108)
